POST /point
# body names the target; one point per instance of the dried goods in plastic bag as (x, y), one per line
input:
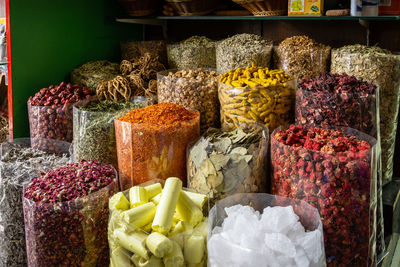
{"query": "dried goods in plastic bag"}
(196, 89)
(335, 171)
(19, 163)
(152, 142)
(66, 213)
(224, 163)
(264, 230)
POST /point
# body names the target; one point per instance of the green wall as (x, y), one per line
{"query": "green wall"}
(49, 38)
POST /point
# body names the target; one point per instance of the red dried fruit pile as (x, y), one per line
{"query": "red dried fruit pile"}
(50, 114)
(337, 100)
(66, 214)
(332, 171)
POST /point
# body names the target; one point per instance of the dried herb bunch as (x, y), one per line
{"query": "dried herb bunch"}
(381, 67)
(19, 163)
(224, 163)
(3, 129)
(195, 52)
(92, 73)
(195, 89)
(94, 135)
(241, 50)
(302, 57)
(130, 50)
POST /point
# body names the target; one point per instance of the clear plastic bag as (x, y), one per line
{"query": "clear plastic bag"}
(224, 163)
(94, 132)
(342, 185)
(19, 163)
(48, 124)
(180, 233)
(148, 151)
(384, 71)
(69, 233)
(301, 62)
(271, 106)
(235, 255)
(195, 93)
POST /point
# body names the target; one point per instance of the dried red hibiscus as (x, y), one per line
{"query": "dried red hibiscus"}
(337, 100)
(66, 215)
(332, 171)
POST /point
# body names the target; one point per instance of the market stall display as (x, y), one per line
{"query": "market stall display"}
(152, 142)
(338, 100)
(302, 57)
(195, 89)
(131, 50)
(256, 94)
(264, 230)
(157, 225)
(381, 67)
(94, 131)
(221, 163)
(239, 51)
(92, 73)
(19, 163)
(66, 213)
(335, 171)
(192, 53)
(50, 114)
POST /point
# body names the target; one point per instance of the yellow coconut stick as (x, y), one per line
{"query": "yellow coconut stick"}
(156, 199)
(120, 257)
(152, 262)
(197, 198)
(175, 257)
(187, 211)
(118, 202)
(181, 227)
(194, 248)
(200, 264)
(153, 190)
(158, 244)
(141, 215)
(138, 196)
(179, 239)
(147, 227)
(166, 208)
(134, 242)
(202, 228)
(135, 259)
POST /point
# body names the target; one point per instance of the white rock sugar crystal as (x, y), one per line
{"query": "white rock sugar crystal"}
(273, 239)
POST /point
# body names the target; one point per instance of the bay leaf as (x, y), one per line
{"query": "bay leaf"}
(219, 160)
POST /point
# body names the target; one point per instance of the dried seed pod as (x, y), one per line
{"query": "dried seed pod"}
(116, 89)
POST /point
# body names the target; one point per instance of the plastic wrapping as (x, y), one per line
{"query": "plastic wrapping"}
(16, 170)
(271, 106)
(308, 216)
(224, 163)
(302, 61)
(148, 151)
(131, 50)
(384, 71)
(179, 234)
(69, 233)
(94, 132)
(196, 93)
(359, 111)
(342, 185)
(48, 124)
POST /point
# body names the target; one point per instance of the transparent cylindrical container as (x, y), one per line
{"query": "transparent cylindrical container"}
(342, 186)
(69, 233)
(94, 131)
(195, 93)
(236, 255)
(151, 151)
(271, 106)
(48, 124)
(301, 62)
(16, 171)
(238, 166)
(384, 71)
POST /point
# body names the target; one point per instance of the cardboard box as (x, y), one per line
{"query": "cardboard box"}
(305, 7)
